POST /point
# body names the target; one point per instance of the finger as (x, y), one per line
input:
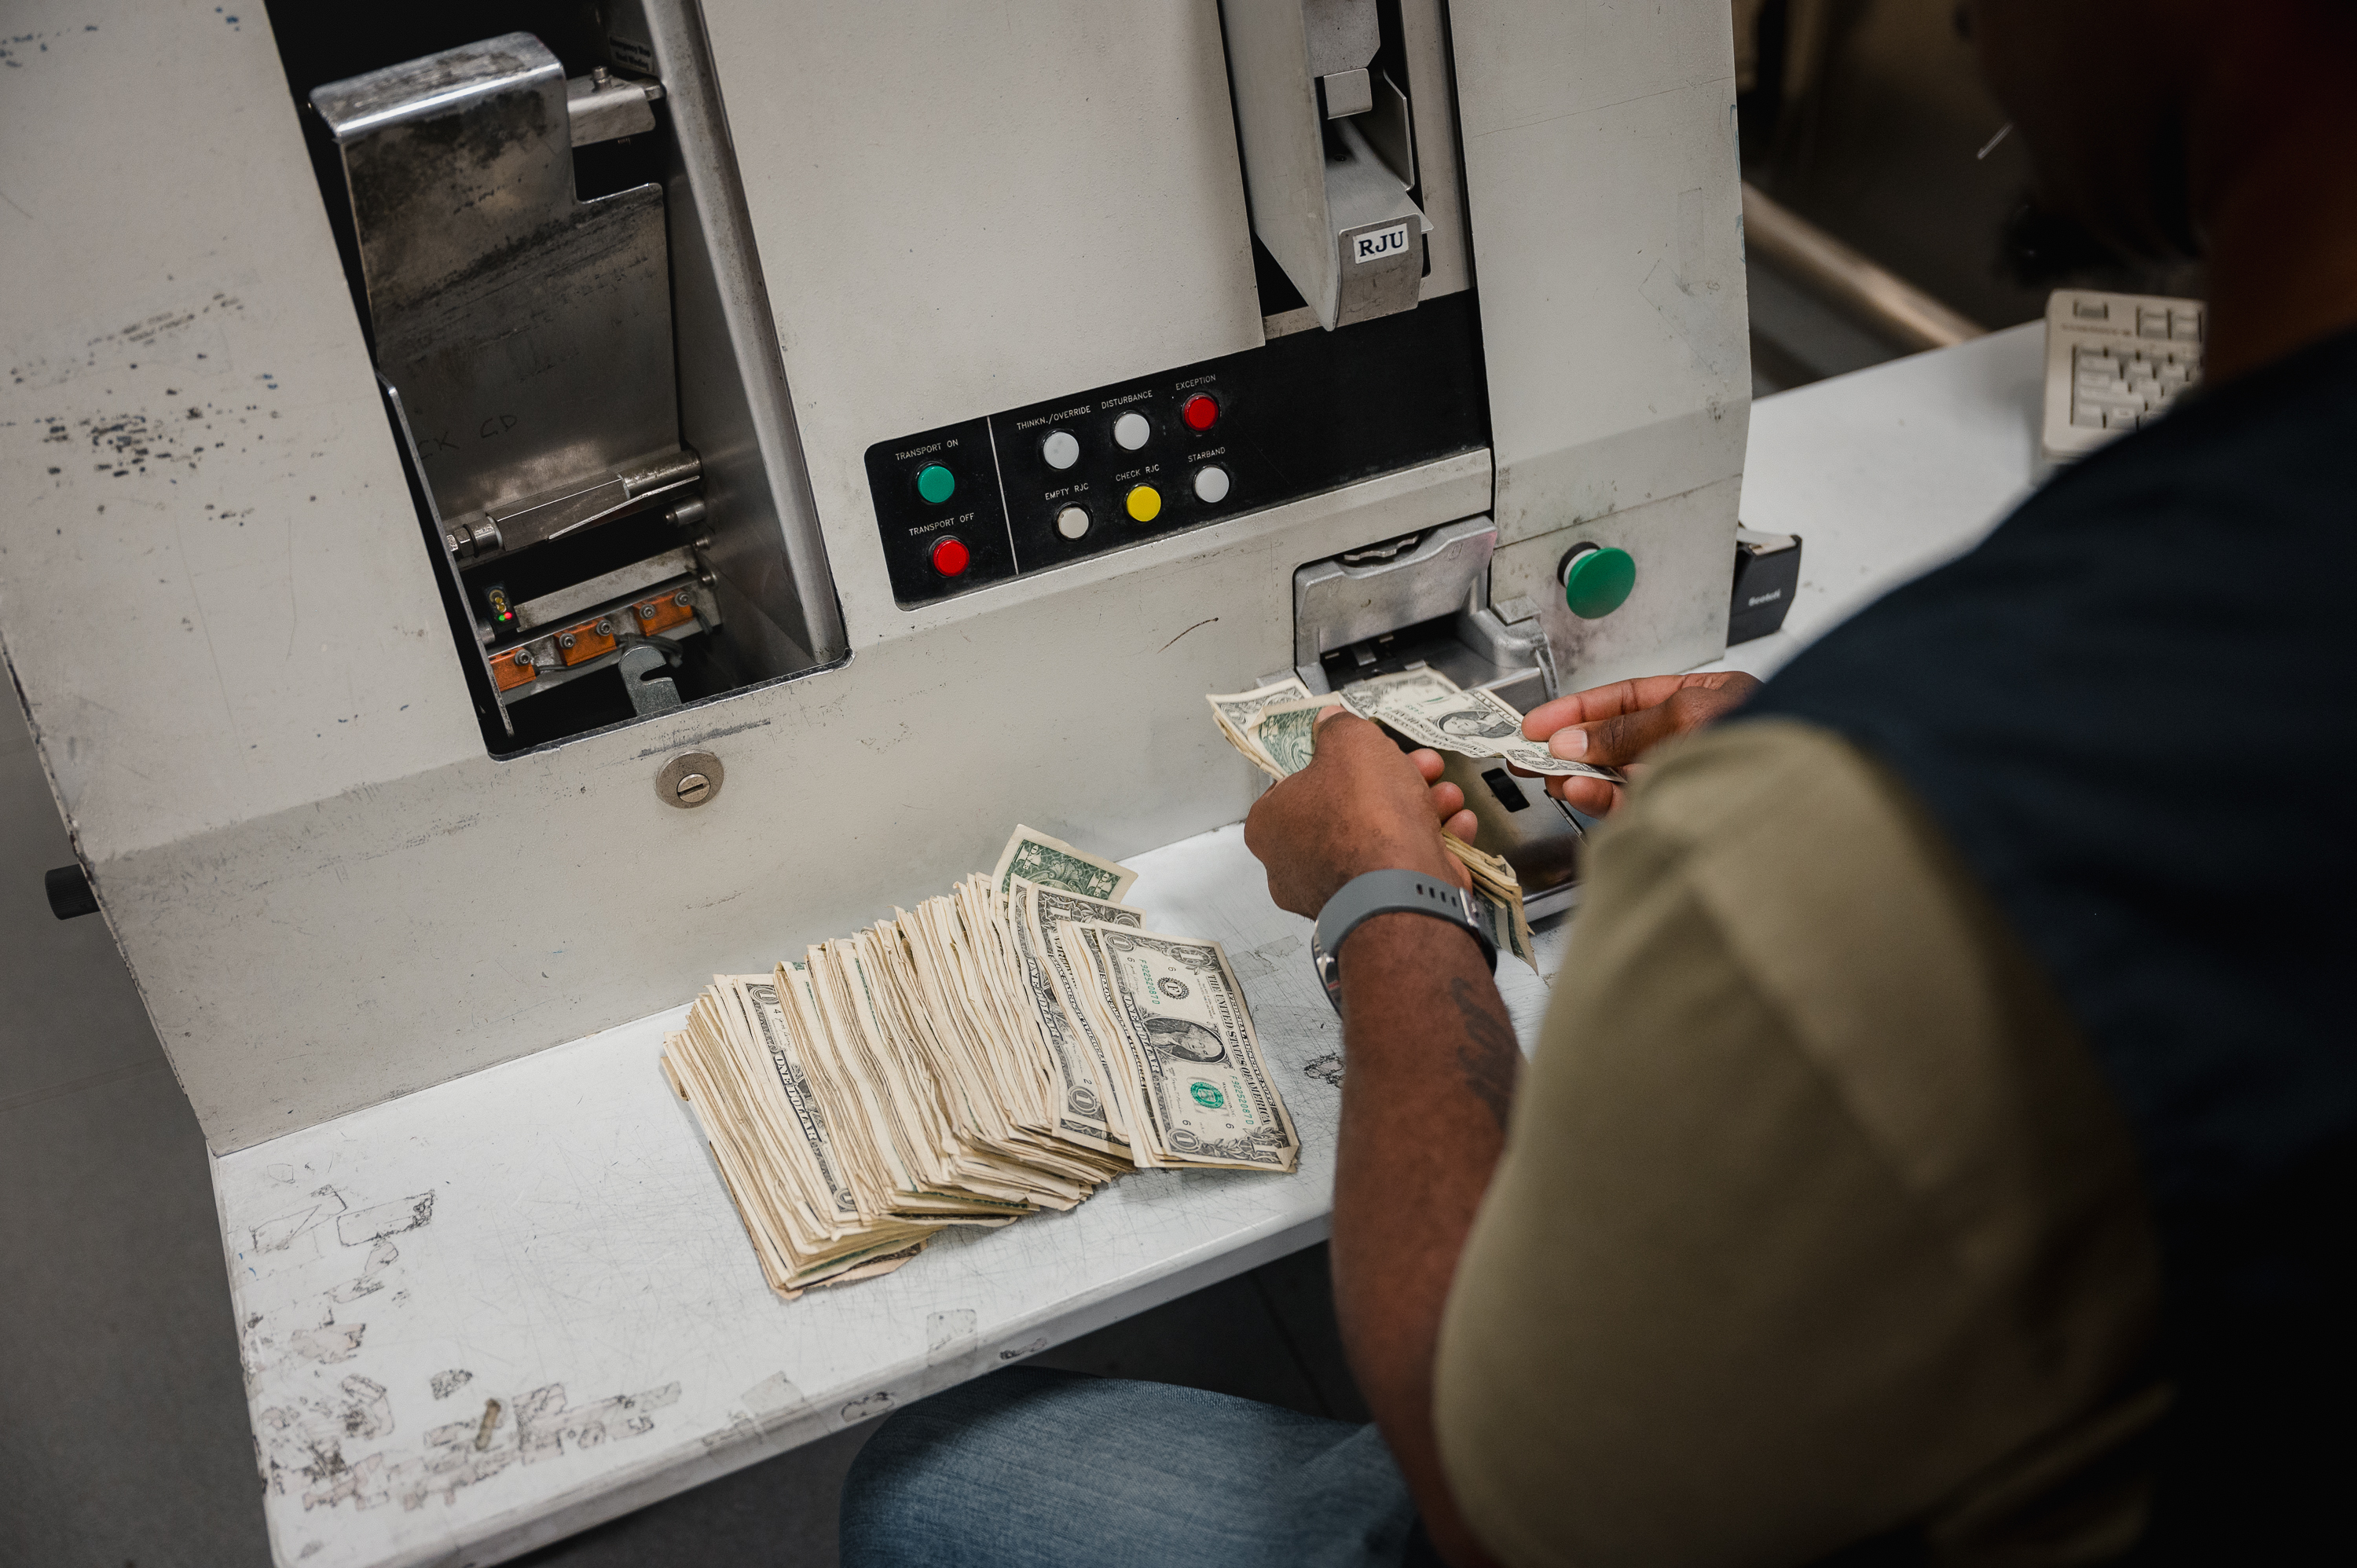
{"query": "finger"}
(1739, 683)
(1600, 702)
(1462, 827)
(1706, 703)
(1597, 797)
(1429, 762)
(1610, 742)
(1447, 803)
(1327, 713)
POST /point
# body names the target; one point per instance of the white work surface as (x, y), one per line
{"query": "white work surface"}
(551, 1234)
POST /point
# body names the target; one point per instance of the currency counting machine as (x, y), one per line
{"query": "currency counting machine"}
(518, 507)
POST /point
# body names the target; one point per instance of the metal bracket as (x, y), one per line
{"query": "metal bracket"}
(603, 107)
(1328, 154)
(528, 332)
(645, 677)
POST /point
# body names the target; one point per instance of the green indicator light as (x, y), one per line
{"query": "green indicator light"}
(1595, 581)
(935, 483)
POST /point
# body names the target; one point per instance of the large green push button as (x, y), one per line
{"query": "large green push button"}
(1597, 580)
(935, 483)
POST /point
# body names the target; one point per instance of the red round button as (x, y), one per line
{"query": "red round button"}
(949, 556)
(1201, 411)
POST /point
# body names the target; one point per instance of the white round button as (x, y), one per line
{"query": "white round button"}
(1131, 430)
(1061, 450)
(1211, 485)
(1072, 522)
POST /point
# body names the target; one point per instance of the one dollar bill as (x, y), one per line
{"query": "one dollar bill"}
(1051, 863)
(1276, 726)
(1475, 723)
(1208, 1099)
(1235, 712)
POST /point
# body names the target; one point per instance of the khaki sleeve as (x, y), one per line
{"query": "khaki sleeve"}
(1814, 1220)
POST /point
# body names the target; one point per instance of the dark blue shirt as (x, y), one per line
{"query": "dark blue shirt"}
(2132, 709)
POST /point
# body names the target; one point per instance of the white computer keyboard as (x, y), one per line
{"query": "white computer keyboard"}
(2113, 361)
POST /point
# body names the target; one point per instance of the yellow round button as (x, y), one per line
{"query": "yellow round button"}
(1144, 503)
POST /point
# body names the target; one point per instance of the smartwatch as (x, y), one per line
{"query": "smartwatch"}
(1386, 893)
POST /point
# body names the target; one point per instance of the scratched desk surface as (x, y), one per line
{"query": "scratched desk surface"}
(489, 1315)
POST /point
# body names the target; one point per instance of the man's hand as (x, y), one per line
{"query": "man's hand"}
(1360, 806)
(1617, 724)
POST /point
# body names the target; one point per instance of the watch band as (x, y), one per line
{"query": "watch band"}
(1387, 893)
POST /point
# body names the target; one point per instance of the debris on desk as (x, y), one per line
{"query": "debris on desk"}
(1008, 1046)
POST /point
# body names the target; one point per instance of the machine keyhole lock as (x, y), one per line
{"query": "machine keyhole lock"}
(690, 779)
(1597, 579)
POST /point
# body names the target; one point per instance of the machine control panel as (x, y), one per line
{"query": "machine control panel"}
(1033, 488)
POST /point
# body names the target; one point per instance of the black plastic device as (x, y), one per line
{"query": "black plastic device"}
(1767, 575)
(1305, 413)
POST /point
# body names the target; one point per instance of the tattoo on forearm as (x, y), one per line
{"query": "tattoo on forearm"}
(1490, 1058)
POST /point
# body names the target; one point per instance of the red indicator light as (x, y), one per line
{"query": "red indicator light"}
(1201, 411)
(950, 557)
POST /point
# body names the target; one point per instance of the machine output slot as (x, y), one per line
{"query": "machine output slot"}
(546, 236)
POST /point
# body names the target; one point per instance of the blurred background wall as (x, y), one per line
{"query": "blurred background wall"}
(1866, 119)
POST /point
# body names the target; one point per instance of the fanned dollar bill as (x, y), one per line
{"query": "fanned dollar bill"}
(739, 1063)
(1498, 893)
(1086, 1109)
(1287, 732)
(757, 995)
(1051, 863)
(961, 1063)
(1422, 680)
(1236, 710)
(1205, 1092)
(1279, 725)
(1474, 722)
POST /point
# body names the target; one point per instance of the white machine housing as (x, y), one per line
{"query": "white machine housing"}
(218, 614)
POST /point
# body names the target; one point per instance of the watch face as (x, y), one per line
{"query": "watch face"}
(1329, 973)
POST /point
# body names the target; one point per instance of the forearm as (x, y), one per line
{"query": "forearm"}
(1431, 1064)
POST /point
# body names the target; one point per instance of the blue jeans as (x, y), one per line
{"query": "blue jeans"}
(1047, 1468)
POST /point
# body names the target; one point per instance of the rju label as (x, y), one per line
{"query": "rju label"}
(1377, 243)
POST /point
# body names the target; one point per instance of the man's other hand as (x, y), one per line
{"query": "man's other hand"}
(1615, 725)
(1360, 806)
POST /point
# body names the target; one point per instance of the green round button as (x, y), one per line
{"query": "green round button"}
(1599, 581)
(935, 483)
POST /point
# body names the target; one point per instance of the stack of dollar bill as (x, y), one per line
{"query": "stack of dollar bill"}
(1008, 1046)
(1275, 727)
